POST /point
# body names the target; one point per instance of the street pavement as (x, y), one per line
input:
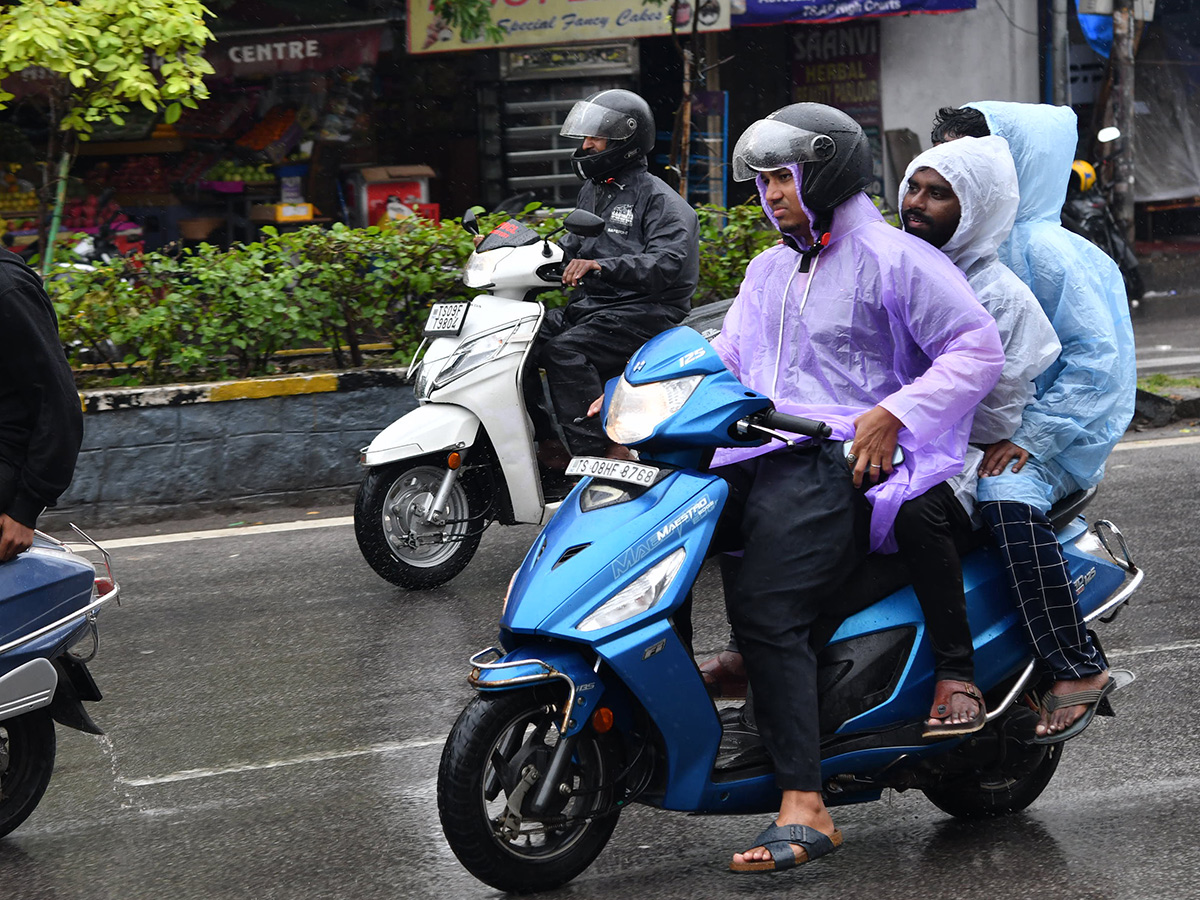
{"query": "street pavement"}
(275, 715)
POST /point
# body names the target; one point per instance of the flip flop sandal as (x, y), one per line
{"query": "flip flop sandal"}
(777, 839)
(1092, 699)
(970, 726)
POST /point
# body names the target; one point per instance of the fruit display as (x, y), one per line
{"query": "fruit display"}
(269, 130)
(239, 170)
(88, 213)
(149, 174)
(215, 118)
(16, 194)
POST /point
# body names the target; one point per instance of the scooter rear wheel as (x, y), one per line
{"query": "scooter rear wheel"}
(27, 745)
(395, 540)
(989, 795)
(495, 755)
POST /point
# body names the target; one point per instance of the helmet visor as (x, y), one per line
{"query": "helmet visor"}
(587, 119)
(769, 144)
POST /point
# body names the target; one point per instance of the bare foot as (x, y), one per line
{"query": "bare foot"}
(1063, 718)
(954, 703)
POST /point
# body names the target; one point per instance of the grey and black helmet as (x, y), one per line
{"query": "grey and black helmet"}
(620, 117)
(828, 145)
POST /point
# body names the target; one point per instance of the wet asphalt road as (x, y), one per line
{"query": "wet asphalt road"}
(275, 715)
(276, 712)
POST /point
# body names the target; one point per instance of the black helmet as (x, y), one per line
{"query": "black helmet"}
(827, 143)
(620, 117)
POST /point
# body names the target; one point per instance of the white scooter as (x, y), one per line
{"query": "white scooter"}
(439, 475)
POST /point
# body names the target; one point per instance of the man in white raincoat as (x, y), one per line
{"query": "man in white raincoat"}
(1083, 403)
(962, 197)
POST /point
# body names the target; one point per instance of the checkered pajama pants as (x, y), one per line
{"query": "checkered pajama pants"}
(1038, 576)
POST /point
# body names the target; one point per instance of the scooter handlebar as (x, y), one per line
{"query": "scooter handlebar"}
(796, 424)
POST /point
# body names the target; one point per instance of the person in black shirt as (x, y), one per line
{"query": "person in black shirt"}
(631, 282)
(41, 422)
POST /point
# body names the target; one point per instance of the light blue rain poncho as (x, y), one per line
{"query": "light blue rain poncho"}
(882, 318)
(1085, 399)
(982, 175)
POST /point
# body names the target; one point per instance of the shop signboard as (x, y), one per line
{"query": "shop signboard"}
(537, 22)
(256, 55)
(772, 12)
(838, 65)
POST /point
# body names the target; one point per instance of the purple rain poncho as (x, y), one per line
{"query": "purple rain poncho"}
(881, 304)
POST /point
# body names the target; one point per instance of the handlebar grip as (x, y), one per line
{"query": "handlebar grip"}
(796, 424)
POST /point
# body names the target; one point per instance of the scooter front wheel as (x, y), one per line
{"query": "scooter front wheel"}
(391, 523)
(27, 746)
(497, 752)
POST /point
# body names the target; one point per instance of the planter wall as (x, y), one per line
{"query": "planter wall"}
(155, 453)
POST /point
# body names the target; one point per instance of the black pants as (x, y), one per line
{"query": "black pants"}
(580, 353)
(803, 528)
(932, 530)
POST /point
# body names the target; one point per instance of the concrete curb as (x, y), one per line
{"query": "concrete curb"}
(1157, 410)
(102, 400)
(160, 452)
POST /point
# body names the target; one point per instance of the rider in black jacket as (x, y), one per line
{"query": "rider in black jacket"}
(41, 423)
(633, 281)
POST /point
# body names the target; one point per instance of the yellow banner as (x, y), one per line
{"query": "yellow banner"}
(532, 22)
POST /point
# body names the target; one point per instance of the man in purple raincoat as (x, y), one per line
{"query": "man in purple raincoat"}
(856, 323)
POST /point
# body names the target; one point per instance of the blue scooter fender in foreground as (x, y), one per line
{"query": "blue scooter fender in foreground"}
(593, 700)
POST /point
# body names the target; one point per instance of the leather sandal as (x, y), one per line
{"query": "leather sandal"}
(945, 692)
(725, 676)
(1092, 699)
(778, 840)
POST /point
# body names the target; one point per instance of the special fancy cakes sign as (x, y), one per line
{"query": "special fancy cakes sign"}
(529, 22)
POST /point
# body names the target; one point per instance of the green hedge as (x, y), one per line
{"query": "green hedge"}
(210, 313)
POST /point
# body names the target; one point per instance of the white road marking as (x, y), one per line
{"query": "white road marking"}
(194, 774)
(307, 524)
(241, 531)
(1156, 442)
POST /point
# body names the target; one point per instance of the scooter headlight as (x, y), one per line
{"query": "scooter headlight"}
(645, 590)
(636, 410)
(480, 271)
(474, 353)
(422, 384)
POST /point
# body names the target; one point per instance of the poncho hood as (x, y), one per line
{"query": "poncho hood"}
(983, 177)
(1042, 140)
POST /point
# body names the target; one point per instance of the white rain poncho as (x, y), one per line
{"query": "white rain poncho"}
(1085, 399)
(982, 175)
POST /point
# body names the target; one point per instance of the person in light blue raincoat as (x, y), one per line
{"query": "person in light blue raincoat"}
(1083, 404)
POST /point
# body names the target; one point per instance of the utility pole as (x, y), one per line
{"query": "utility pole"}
(1122, 100)
(1060, 43)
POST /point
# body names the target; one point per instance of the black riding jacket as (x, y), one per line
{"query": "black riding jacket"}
(649, 253)
(41, 423)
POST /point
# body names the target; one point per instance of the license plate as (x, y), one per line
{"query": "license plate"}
(445, 318)
(613, 470)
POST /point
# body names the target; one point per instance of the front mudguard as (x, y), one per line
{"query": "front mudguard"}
(537, 664)
(429, 428)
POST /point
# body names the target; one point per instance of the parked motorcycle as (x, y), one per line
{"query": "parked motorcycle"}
(593, 700)
(49, 598)
(1088, 213)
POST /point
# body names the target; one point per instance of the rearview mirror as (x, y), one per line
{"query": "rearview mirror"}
(584, 224)
(469, 223)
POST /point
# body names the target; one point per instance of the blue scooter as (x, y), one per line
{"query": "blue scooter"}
(49, 598)
(593, 699)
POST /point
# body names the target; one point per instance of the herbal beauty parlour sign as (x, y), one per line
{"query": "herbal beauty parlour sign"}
(526, 22)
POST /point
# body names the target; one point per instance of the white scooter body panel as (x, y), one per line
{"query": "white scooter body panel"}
(427, 429)
(27, 687)
(490, 394)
